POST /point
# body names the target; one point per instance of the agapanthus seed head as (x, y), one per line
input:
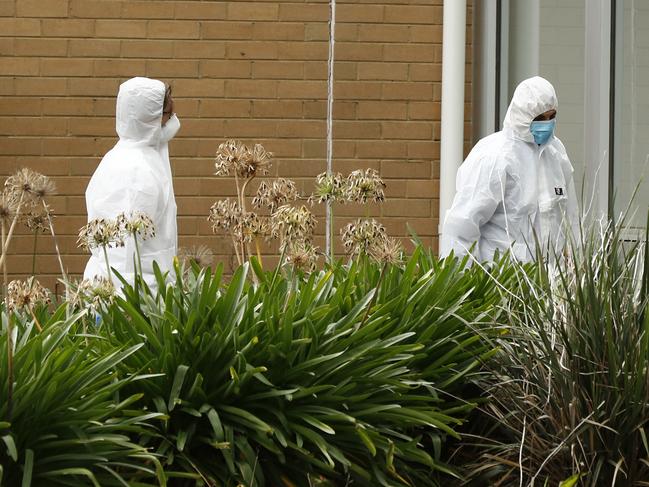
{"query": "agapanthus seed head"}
(100, 232)
(21, 183)
(360, 236)
(250, 226)
(136, 224)
(302, 255)
(289, 223)
(224, 214)
(329, 187)
(275, 194)
(43, 187)
(258, 162)
(386, 251)
(26, 294)
(232, 155)
(8, 206)
(37, 222)
(94, 292)
(201, 255)
(365, 185)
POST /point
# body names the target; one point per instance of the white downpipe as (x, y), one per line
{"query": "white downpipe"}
(452, 134)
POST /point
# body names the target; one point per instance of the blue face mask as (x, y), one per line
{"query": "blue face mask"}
(542, 130)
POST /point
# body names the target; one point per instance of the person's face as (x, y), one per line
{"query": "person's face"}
(545, 116)
(168, 108)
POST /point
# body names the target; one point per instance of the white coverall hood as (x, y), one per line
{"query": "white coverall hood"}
(532, 97)
(135, 176)
(511, 192)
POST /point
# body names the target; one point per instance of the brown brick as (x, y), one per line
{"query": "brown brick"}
(200, 10)
(357, 130)
(277, 109)
(277, 70)
(93, 86)
(199, 49)
(96, 9)
(94, 48)
(384, 33)
(423, 150)
(425, 72)
(150, 9)
(252, 11)
(410, 170)
(350, 90)
(250, 89)
(303, 50)
(225, 69)
(21, 146)
(226, 30)
(285, 31)
(407, 130)
(428, 188)
(383, 71)
(31, 125)
(358, 51)
(424, 111)
(302, 89)
(20, 27)
(147, 49)
(225, 108)
(359, 13)
(308, 12)
(68, 106)
(419, 14)
(198, 88)
(407, 91)
(119, 67)
(122, 29)
(20, 106)
(68, 27)
(171, 68)
(409, 53)
(92, 126)
(173, 29)
(381, 149)
(42, 8)
(426, 33)
(382, 110)
(7, 8)
(301, 128)
(19, 66)
(251, 50)
(342, 110)
(343, 70)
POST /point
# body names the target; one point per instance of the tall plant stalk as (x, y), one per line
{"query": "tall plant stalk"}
(5, 243)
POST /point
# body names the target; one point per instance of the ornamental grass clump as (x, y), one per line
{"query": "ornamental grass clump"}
(69, 421)
(274, 383)
(568, 391)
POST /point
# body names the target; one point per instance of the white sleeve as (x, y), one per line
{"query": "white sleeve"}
(480, 187)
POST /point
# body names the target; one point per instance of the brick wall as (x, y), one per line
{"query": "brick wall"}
(249, 70)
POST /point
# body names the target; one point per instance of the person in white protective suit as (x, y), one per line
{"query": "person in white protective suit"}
(135, 176)
(515, 190)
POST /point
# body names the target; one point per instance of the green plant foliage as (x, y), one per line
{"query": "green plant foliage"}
(67, 422)
(290, 380)
(569, 392)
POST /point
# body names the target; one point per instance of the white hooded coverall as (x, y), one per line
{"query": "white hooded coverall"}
(510, 189)
(135, 176)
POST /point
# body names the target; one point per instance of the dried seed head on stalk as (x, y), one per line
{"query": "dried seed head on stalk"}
(360, 236)
(43, 187)
(365, 185)
(137, 224)
(202, 256)
(8, 206)
(387, 251)
(224, 214)
(302, 255)
(329, 187)
(26, 294)
(231, 155)
(257, 162)
(94, 292)
(289, 224)
(276, 194)
(37, 221)
(100, 233)
(250, 226)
